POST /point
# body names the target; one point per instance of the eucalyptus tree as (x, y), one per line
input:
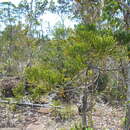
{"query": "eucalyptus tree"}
(32, 11)
(8, 13)
(8, 19)
(89, 11)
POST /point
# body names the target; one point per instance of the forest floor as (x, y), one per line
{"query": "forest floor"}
(30, 118)
(104, 116)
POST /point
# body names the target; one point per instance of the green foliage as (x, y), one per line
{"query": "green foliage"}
(36, 74)
(36, 92)
(54, 63)
(115, 91)
(91, 44)
(16, 47)
(61, 33)
(86, 27)
(79, 127)
(111, 14)
(68, 112)
(19, 90)
(42, 79)
(63, 59)
(123, 37)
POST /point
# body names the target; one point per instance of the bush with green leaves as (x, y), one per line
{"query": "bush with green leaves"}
(79, 127)
(62, 59)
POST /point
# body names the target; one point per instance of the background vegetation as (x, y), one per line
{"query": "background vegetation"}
(89, 60)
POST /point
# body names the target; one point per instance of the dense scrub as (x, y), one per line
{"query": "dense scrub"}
(73, 66)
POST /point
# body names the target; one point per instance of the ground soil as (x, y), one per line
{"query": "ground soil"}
(30, 118)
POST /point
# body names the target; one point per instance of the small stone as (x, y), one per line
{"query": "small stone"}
(45, 110)
(44, 100)
(35, 127)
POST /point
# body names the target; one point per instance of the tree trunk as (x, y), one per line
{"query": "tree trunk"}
(127, 22)
(84, 107)
(127, 127)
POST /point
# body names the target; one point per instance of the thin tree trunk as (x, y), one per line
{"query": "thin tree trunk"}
(84, 107)
(127, 22)
(127, 127)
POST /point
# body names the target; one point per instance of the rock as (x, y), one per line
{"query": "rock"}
(45, 110)
(30, 119)
(44, 100)
(35, 127)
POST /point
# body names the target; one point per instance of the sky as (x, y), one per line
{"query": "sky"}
(48, 18)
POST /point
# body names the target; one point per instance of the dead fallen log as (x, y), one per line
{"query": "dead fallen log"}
(29, 104)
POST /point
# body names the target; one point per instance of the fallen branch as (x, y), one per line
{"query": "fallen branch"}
(28, 104)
